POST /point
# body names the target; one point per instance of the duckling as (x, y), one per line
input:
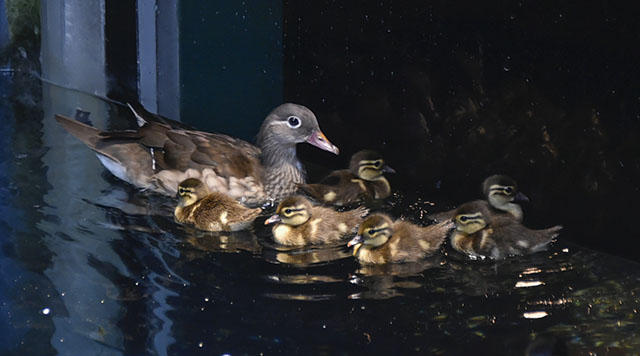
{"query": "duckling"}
(481, 234)
(363, 180)
(161, 153)
(502, 198)
(300, 223)
(211, 211)
(381, 240)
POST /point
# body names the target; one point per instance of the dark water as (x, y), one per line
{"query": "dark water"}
(92, 266)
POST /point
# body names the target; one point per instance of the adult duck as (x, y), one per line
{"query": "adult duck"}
(158, 155)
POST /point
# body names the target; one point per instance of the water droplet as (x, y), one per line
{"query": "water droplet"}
(46, 311)
(535, 314)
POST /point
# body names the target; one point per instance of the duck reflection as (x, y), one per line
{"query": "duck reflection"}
(306, 256)
(387, 280)
(202, 242)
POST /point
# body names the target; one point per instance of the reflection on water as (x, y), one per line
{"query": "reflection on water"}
(92, 266)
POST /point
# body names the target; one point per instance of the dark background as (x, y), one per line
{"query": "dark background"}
(452, 92)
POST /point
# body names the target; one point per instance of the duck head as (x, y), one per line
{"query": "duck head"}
(374, 232)
(470, 218)
(501, 190)
(368, 165)
(289, 124)
(190, 191)
(294, 211)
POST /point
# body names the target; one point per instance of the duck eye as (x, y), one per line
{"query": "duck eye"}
(464, 218)
(508, 190)
(287, 211)
(378, 164)
(371, 231)
(293, 122)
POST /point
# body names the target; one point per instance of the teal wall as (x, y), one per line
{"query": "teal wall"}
(230, 64)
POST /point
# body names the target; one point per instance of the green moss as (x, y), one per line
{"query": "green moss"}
(24, 22)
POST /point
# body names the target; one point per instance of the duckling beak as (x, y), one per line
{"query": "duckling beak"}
(356, 240)
(520, 197)
(319, 140)
(387, 169)
(273, 219)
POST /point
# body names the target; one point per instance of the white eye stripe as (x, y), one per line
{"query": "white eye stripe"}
(294, 122)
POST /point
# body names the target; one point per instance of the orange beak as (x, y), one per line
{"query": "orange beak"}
(321, 141)
(273, 219)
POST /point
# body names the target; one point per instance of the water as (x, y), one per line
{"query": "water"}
(90, 265)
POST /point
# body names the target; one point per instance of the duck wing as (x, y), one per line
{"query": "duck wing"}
(144, 116)
(158, 157)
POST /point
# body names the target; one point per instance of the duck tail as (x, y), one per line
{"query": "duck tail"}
(361, 211)
(83, 132)
(546, 237)
(553, 232)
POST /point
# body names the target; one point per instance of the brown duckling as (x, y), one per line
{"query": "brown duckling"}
(160, 154)
(502, 198)
(211, 211)
(381, 240)
(363, 180)
(496, 236)
(300, 223)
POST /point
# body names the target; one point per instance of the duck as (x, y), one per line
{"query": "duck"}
(501, 199)
(211, 211)
(479, 234)
(364, 180)
(381, 240)
(160, 154)
(298, 222)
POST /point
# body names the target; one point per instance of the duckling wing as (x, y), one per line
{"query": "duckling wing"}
(416, 242)
(335, 188)
(516, 239)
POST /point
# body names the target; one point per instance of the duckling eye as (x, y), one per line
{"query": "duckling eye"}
(287, 211)
(508, 190)
(293, 122)
(371, 231)
(377, 164)
(464, 218)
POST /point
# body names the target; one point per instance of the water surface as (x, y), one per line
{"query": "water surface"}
(90, 265)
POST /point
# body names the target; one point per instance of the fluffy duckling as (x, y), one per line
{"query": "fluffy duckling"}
(502, 198)
(381, 240)
(300, 223)
(363, 180)
(211, 211)
(496, 237)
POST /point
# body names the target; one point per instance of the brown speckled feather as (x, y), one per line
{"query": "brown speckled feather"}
(504, 237)
(162, 153)
(217, 212)
(325, 225)
(343, 187)
(409, 243)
